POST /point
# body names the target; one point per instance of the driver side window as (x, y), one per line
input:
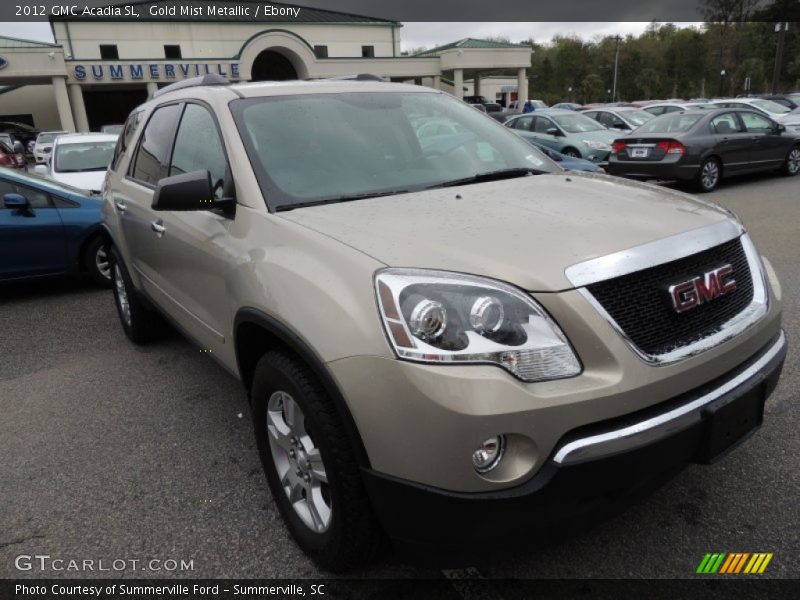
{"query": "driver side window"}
(199, 147)
(36, 198)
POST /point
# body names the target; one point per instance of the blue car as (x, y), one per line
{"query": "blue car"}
(566, 162)
(49, 229)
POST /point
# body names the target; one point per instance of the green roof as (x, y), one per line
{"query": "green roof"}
(306, 15)
(470, 43)
(11, 42)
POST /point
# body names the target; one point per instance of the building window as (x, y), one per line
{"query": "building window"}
(172, 51)
(109, 51)
(321, 51)
(368, 51)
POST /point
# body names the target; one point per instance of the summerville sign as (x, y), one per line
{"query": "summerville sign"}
(156, 71)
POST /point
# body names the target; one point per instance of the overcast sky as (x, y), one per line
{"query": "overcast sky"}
(414, 35)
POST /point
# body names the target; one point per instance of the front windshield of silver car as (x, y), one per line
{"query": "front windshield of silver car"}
(319, 148)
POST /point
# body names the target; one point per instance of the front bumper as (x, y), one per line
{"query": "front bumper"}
(590, 469)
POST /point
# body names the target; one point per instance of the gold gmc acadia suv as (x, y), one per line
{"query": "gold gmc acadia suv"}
(446, 340)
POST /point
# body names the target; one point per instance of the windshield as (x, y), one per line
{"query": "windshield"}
(670, 123)
(637, 117)
(317, 148)
(576, 123)
(47, 138)
(770, 106)
(83, 156)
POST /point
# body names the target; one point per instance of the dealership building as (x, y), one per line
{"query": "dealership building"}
(99, 68)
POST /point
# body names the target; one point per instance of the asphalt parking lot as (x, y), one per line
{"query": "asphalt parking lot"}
(111, 451)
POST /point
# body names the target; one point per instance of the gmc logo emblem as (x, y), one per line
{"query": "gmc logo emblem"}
(707, 287)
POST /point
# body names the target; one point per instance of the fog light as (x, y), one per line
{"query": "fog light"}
(489, 454)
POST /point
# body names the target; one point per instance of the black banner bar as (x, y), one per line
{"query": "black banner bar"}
(406, 10)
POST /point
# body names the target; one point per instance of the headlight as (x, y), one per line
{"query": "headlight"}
(596, 145)
(442, 317)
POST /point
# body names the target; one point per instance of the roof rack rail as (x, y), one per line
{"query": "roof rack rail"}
(203, 80)
(354, 77)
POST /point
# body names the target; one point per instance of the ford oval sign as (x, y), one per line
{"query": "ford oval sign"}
(3, 63)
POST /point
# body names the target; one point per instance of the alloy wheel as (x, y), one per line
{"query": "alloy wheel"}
(102, 263)
(298, 462)
(710, 175)
(793, 161)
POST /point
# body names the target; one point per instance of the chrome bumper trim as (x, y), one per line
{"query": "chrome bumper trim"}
(660, 426)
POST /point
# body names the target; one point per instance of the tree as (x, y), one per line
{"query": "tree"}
(592, 88)
(647, 80)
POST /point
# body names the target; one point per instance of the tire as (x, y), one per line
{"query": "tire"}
(791, 165)
(95, 261)
(140, 322)
(709, 175)
(305, 452)
(571, 152)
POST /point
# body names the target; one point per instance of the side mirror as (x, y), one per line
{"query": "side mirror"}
(552, 131)
(40, 170)
(16, 202)
(18, 147)
(780, 128)
(188, 192)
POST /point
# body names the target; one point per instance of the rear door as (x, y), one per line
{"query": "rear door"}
(134, 195)
(731, 142)
(768, 148)
(32, 242)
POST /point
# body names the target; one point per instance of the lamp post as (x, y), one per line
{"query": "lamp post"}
(616, 63)
(569, 90)
(721, 77)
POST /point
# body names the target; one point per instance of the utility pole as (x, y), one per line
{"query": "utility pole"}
(776, 74)
(616, 64)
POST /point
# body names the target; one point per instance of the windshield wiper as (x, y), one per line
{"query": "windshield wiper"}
(337, 199)
(490, 176)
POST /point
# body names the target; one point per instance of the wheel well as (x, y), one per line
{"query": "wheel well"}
(256, 334)
(570, 148)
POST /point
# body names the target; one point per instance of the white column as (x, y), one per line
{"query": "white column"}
(62, 102)
(437, 82)
(522, 88)
(476, 85)
(152, 88)
(78, 107)
(458, 83)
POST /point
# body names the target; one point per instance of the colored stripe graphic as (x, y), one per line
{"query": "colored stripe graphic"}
(733, 563)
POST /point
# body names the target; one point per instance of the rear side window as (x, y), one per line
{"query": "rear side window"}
(727, 123)
(152, 155)
(199, 147)
(125, 137)
(523, 123)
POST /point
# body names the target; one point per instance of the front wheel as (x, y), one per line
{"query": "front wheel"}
(709, 175)
(310, 467)
(791, 166)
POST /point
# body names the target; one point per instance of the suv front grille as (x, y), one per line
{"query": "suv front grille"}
(641, 306)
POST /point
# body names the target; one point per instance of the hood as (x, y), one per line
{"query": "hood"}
(90, 180)
(526, 231)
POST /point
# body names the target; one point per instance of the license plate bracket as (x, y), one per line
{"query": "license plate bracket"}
(728, 423)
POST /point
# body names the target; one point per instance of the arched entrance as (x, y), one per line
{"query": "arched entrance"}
(270, 65)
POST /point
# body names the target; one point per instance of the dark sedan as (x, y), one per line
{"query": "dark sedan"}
(704, 146)
(49, 229)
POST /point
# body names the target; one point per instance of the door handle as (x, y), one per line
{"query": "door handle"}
(158, 228)
(120, 206)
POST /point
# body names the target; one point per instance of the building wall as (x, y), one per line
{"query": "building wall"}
(36, 100)
(205, 41)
